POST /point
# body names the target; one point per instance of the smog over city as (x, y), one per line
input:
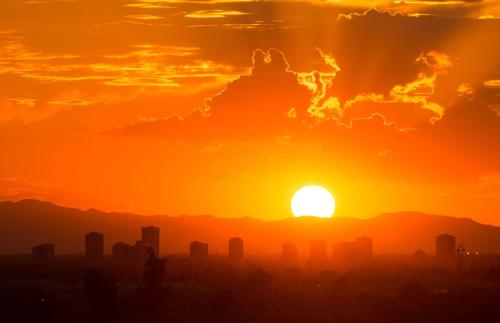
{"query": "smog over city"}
(249, 161)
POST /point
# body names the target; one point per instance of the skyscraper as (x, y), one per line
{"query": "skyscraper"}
(120, 253)
(94, 247)
(151, 236)
(235, 249)
(445, 246)
(43, 253)
(137, 256)
(198, 250)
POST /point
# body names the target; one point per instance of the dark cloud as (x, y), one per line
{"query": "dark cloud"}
(398, 137)
(378, 50)
(254, 106)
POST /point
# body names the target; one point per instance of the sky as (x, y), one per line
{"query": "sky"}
(228, 107)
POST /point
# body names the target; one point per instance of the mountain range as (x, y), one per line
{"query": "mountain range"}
(26, 223)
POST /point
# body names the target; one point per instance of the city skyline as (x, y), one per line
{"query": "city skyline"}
(242, 161)
(359, 251)
(326, 242)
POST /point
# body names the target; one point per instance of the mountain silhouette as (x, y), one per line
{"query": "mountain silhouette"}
(26, 223)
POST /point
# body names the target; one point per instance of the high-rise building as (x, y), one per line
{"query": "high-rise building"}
(43, 253)
(289, 254)
(460, 256)
(137, 255)
(94, 247)
(235, 249)
(317, 250)
(198, 250)
(151, 236)
(445, 246)
(120, 253)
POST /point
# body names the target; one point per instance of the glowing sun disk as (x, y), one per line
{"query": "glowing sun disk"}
(313, 200)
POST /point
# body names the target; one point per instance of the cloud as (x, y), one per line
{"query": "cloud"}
(439, 63)
(247, 102)
(492, 84)
(404, 115)
(30, 102)
(468, 133)
(371, 12)
(148, 5)
(418, 92)
(322, 107)
(216, 13)
(407, 105)
(465, 89)
(390, 131)
(147, 65)
(258, 25)
(46, 78)
(487, 17)
(253, 106)
(144, 17)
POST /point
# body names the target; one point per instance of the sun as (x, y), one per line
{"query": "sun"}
(314, 201)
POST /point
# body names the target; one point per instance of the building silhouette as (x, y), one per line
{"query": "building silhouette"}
(120, 253)
(235, 249)
(198, 250)
(460, 252)
(317, 252)
(353, 253)
(289, 254)
(151, 236)
(43, 253)
(137, 256)
(445, 246)
(94, 247)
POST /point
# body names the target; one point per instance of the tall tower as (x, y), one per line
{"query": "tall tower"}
(151, 236)
(445, 247)
(137, 256)
(94, 247)
(120, 253)
(235, 249)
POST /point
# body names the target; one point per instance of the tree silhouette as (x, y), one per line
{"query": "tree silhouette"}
(153, 291)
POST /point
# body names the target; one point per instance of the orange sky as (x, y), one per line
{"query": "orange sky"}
(228, 107)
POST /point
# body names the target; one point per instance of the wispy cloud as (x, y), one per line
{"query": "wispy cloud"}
(492, 84)
(144, 17)
(216, 13)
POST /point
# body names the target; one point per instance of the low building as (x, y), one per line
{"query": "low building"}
(43, 253)
(198, 250)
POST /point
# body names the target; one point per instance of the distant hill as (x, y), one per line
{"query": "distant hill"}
(30, 222)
